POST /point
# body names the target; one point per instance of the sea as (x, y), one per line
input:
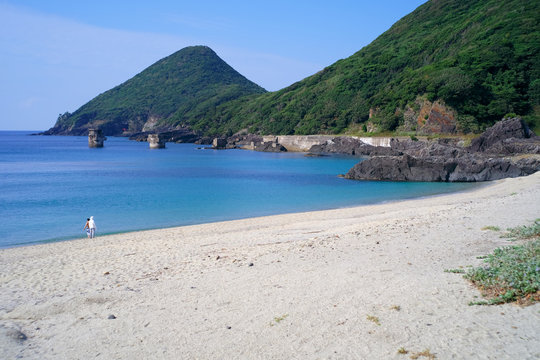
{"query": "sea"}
(50, 185)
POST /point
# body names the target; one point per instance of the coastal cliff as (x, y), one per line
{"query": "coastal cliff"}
(508, 149)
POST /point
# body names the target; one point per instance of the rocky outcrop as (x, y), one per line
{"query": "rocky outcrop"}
(508, 136)
(95, 138)
(244, 141)
(350, 146)
(425, 117)
(436, 118)
(270, 146)
(470, 168)
(156, 142)
(219, 143)
(445, 161)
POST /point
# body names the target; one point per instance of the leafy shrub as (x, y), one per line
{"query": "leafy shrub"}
(512, 273)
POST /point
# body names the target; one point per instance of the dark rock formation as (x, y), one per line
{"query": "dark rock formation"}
(219, 143)
(399, 168)
(204, 140)
(96, 138)
(445, 161)
(515, 146)
(243, 141)
(351, 146)
(270, 146)
(512, 128)
(470, 168)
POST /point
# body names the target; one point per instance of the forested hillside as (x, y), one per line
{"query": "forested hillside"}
(480, 58)
(178, 89)
(449, 66)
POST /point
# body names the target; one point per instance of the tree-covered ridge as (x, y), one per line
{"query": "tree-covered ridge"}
(175, 90)
(480, 57)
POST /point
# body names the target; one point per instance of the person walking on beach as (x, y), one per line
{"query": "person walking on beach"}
(87, 227)
(92, 227)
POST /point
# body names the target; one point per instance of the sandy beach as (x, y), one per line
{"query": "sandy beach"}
(356, 283)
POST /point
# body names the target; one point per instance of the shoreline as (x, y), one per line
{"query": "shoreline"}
(82, 237)
(301, 285)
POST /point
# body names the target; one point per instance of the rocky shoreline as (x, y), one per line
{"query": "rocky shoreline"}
(507, 149)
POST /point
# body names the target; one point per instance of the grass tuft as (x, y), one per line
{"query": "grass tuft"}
(374, 319)
(492, 228)
(402, 351)
(454, 271)
(425, 353)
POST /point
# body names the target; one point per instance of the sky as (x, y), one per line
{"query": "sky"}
(56, 55)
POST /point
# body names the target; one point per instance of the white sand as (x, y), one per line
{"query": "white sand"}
(315, 279)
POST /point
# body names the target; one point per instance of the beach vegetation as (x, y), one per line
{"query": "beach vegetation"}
(492, 228)
(374, 319)
(454, 271)
(279, 319)
(524, 231)
(426, 353)
(402, 351)
(395, 307)
(510, 274)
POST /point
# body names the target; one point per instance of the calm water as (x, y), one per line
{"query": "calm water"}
(49, 185)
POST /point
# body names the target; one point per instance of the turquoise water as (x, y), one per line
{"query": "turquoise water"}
(49, 185)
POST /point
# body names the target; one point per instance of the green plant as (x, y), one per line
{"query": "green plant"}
(374, 319)
(280, 318)
(492, 228)
(402, 351)
(512, 274)
(525, 231)
(479, 302)
(454, 271)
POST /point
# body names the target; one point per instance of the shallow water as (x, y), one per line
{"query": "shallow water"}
(49, 185)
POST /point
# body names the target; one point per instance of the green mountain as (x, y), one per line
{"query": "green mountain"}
(450, 65)
(478, 59)
(180, 89)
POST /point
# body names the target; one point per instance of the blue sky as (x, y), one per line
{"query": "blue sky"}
(56, 55)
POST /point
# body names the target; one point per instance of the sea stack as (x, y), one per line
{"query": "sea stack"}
(219, 143)
(95, 138)
(156, 142)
